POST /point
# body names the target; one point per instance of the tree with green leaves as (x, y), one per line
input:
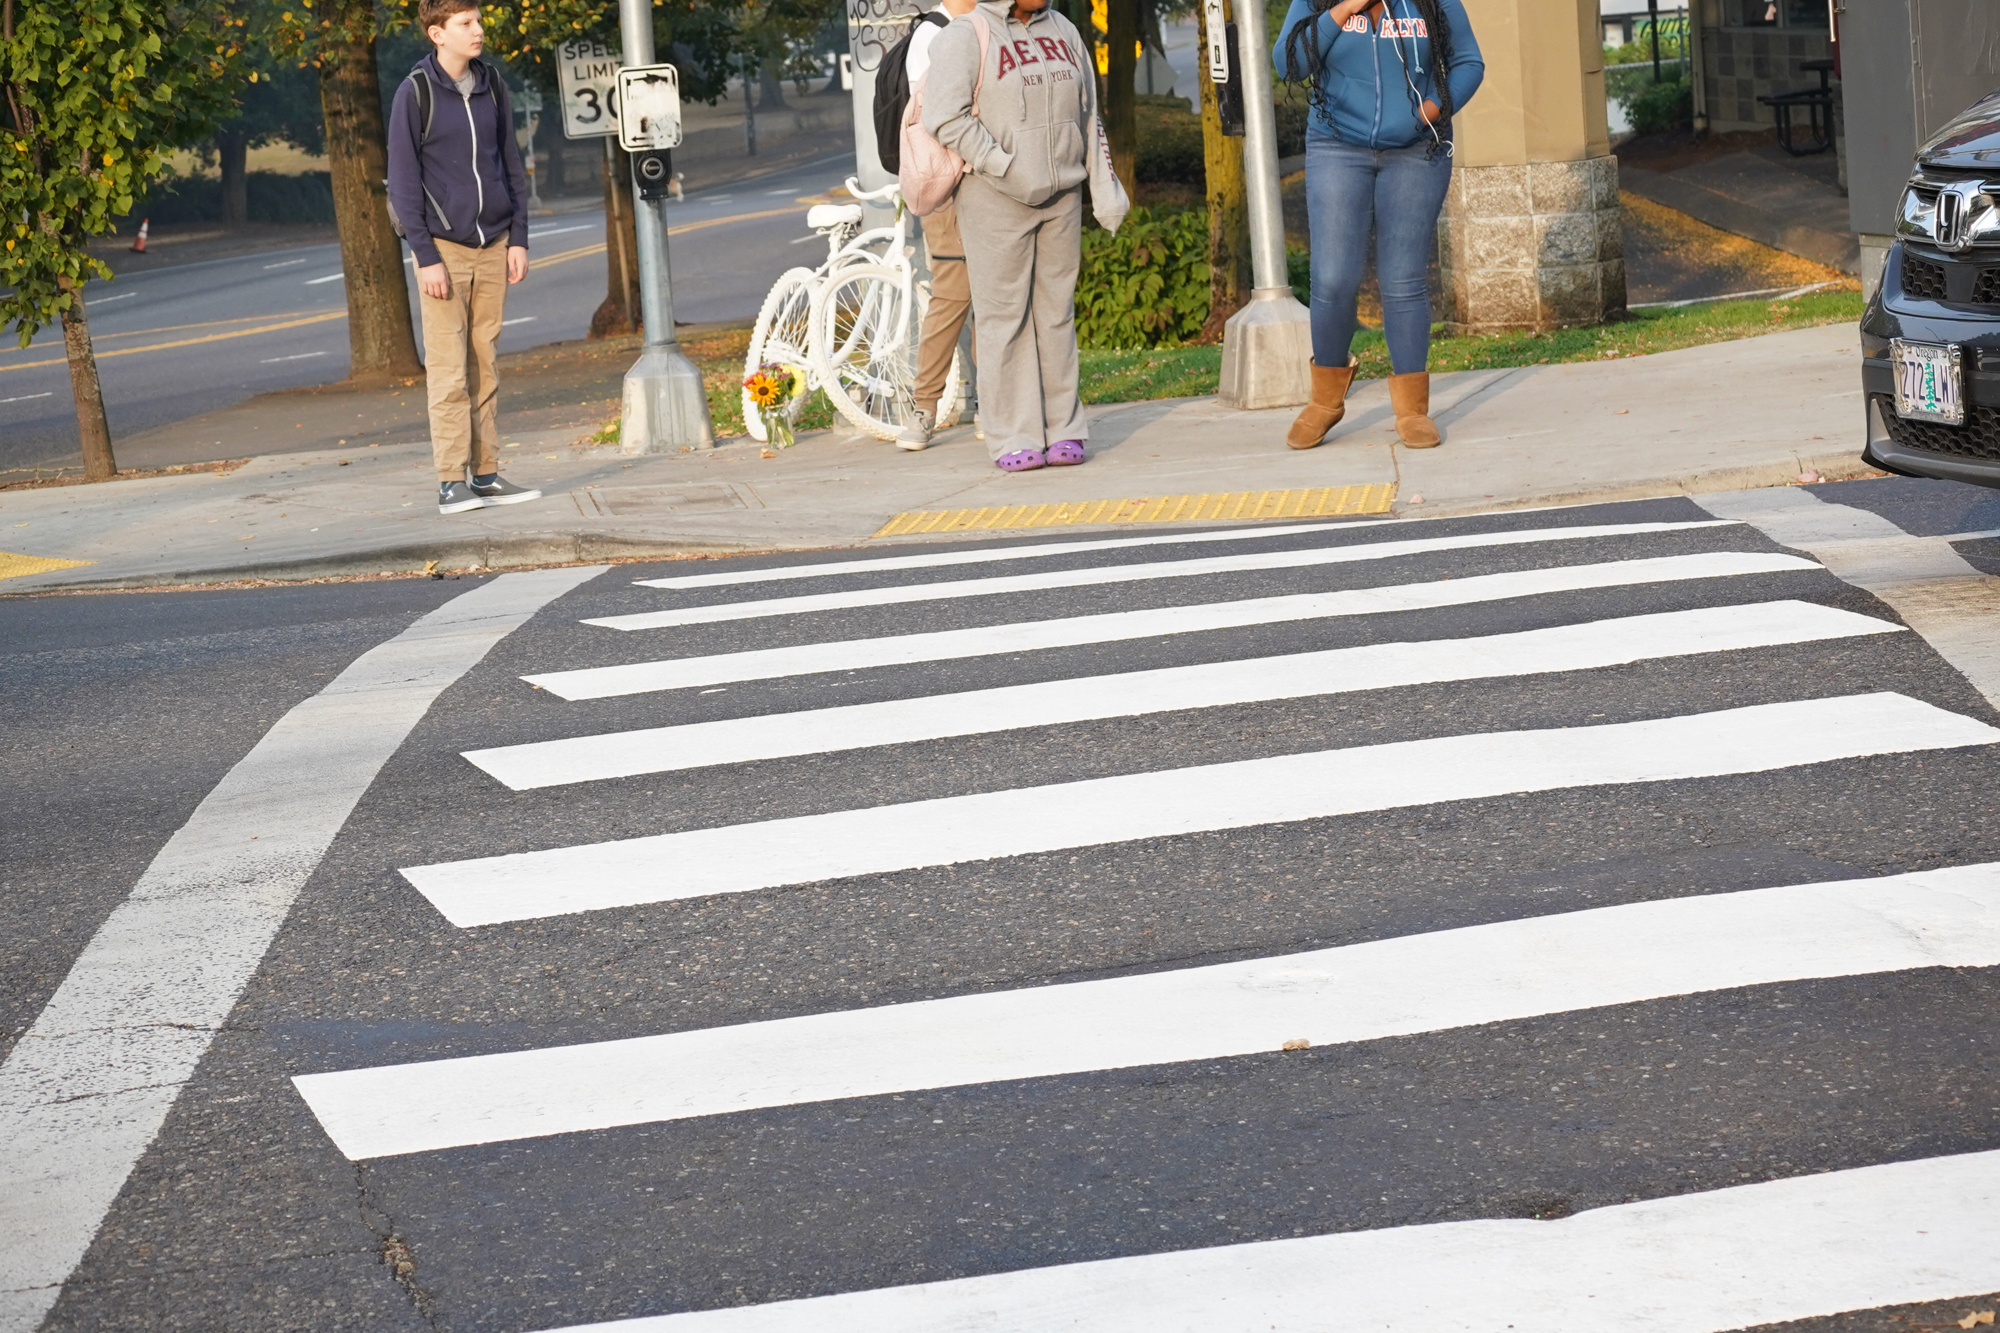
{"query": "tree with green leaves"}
(279, 104)
(97, 94)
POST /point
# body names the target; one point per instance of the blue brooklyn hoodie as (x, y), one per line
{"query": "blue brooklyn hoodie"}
(1368, 102)
(465, 182)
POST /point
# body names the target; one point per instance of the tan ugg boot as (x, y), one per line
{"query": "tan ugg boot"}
(1328, 405)
(1410, 397)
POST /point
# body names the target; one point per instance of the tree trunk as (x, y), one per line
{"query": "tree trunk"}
(619, 312)
(93, 430)
(379, 339)
(232, 150)
(1228, 206)
(771, 89)
(1121, 125)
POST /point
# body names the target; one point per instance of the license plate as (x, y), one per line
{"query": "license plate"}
(1930, 385)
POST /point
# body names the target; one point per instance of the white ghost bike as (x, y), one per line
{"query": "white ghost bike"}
(853, 322)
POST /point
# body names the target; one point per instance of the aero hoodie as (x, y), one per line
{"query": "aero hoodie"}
(1033, 133)
(1371, 68)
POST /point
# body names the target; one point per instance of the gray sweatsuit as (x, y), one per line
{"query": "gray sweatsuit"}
(1029, 144)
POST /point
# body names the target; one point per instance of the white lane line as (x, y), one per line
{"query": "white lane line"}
(1694, 1263)
(289, 263)
(1210, 685)
(1115, 626)
(524, 319)
(739, 858)
(331, 277)
(563, 231)
(797, 241)
(28, 397)
(107, 300)
(302, 356)
(1410, 984)
(1109, 574)
(1035, 551)
(87, 1088)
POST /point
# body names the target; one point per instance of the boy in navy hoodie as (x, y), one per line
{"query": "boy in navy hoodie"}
(458, 192)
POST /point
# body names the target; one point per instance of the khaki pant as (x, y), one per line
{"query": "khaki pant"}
(461, 345)
(951, 302)
(1022, 261)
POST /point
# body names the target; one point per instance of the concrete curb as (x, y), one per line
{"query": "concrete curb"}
(1845, 466)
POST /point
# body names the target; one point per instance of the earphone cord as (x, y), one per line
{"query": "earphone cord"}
(1416, 98)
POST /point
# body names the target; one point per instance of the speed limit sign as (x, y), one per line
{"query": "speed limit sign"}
(587, 73)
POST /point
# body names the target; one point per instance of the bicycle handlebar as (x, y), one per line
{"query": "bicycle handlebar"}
(884, 194)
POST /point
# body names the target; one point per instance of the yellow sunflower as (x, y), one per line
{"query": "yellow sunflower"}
(764, 388)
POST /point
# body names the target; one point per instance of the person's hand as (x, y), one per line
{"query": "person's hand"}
(517, 262)
(1347, 9)
(1431, 111)
(434, 282)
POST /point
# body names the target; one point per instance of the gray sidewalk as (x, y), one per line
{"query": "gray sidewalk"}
(1726, 416)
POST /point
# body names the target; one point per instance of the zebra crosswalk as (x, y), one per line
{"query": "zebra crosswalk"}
(1099, 938)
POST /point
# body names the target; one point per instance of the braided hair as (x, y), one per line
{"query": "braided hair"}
(1302, 53)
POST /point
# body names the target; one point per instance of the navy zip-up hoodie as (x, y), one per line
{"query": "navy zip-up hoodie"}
(465, 183)
(1367, 101)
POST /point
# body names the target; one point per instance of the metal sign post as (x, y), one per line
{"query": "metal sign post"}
(665, 406)
(873, 26)
(1267, 345)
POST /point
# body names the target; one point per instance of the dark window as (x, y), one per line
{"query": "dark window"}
(1805, 13)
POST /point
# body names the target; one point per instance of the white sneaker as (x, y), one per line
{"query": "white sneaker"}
(916, 432)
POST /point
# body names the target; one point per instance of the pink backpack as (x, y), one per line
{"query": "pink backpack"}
(930, 171)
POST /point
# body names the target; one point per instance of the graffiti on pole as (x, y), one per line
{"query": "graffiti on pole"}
(873, 26)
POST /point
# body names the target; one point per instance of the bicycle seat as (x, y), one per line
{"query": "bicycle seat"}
(825, 217)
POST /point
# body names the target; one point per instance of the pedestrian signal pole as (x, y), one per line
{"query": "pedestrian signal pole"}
(665, 407)
(1267, 345)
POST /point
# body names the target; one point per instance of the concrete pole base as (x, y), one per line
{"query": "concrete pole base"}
(666, 407)
(1267, 352)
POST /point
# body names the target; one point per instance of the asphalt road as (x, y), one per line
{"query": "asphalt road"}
(190, 338)
(1022, 965)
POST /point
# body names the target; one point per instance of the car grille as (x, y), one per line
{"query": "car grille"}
(1986, 290)
(1922, 279)
(1979, 437)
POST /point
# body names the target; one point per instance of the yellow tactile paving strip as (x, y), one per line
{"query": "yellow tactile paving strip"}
(14, 566)
(1315, 502)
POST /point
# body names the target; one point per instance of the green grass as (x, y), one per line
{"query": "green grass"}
(1179, 372)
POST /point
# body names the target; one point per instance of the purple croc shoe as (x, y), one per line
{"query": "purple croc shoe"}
(1021, 460)
(1066, 453)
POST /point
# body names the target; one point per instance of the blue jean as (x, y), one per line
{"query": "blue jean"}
(1397, 193)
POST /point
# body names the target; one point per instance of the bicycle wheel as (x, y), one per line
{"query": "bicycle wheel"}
(865, 342)
(783, 333)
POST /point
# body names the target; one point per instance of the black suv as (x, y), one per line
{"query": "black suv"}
(1930, 339)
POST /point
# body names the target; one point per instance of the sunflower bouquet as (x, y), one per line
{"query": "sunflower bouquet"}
(776, 389)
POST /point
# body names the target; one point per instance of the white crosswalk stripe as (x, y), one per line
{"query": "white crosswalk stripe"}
(739, 858)
(1724, 672)
(1413, 983)
(1210, 685)
(1101, 575)
(1116, 626)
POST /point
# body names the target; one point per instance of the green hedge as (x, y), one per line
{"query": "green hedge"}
(304, 200)
(1147, 284)
(1655, 107)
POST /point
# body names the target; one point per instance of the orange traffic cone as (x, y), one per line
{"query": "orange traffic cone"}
(139, 245)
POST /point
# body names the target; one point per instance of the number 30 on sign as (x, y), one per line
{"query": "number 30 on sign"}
(587, 73)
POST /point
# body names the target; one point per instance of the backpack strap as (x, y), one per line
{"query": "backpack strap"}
(985, 32)
(420, 85)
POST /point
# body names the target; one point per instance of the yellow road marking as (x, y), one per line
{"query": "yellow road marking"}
(740, 217)
(96, 338)
(536, 265)
(188, 342)
(14, 566)
(1317, 502)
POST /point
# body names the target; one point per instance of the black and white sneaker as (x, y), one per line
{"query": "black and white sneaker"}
(455, 497)
(501, 491)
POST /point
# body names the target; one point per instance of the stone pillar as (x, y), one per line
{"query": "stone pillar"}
(1532, 236)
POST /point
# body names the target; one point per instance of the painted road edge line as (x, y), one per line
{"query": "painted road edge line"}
(1466, 977)
(1280, 789)
(1116, 626)
(1579, 647)
(1101, 575)
(87, 1088)
(1722, 1259)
